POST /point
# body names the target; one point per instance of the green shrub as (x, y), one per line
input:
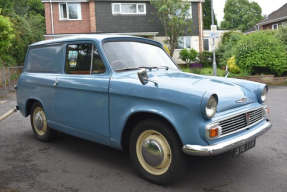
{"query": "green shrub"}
(226, 49)
(282, 34)
(232, 67)
(261, 52)
(188, 55)
(206, 58)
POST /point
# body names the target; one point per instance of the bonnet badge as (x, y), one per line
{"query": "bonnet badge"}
(242, 100)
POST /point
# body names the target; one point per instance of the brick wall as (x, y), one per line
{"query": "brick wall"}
(68, 26)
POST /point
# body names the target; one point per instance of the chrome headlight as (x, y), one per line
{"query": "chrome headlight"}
(211, 107)
(264, 95)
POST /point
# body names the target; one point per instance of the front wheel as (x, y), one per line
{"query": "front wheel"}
(156, 152)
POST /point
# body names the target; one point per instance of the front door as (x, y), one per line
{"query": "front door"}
(82, 92)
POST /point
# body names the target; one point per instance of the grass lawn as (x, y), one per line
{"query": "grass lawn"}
(205, 71)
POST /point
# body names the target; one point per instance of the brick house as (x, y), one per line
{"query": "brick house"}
(130, 17)
(272, 21)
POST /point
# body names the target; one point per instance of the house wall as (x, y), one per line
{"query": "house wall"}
(106, 22)
(269, 26)
(67, 26)
(194, 45)
(217, 40)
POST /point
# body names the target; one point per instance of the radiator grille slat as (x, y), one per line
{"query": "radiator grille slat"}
(240, 121)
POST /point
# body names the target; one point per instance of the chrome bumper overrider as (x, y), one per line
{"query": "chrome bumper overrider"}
(228, 145)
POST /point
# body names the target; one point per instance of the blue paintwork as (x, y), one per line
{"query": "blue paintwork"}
(97, 107)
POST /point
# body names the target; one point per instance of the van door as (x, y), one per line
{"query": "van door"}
(82, 92)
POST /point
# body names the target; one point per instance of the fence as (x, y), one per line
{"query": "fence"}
(9, 78)
(13, 76)
(3, 88)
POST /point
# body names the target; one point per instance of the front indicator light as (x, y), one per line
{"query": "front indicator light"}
(213, 131)
(265, 112)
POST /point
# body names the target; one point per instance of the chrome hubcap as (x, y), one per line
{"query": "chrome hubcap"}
(152, 152)
(39, 123)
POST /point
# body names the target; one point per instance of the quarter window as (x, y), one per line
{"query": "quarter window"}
(129, 8)
(83, 59)
(70, 11)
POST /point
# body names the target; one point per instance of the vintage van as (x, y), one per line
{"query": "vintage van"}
(127, 93)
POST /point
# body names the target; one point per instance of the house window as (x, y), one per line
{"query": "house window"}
(129, 8)
(206, 44)
(184, 43)
(70, 11)
(275, 26)
(189, 12)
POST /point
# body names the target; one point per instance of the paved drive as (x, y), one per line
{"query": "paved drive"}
(72, 164)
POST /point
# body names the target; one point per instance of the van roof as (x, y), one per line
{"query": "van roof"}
(95, 37)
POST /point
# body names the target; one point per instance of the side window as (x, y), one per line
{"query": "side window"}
(83, 59)
(44, 59)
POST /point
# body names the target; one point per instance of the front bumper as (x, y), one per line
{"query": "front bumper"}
(228, 145)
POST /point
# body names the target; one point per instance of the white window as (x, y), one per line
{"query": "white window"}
(70, 11)
(129, 8)
(184, 43)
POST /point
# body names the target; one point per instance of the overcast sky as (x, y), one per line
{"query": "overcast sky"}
(267, 6)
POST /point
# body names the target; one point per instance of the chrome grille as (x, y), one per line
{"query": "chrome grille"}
(241, 121)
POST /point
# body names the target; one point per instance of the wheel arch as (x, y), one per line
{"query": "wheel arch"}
(137, 117)
(29, 104)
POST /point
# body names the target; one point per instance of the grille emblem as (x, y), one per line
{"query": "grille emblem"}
(242, 100)
(247, 119)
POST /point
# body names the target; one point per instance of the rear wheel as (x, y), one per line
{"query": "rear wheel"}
(156, 152)
(39, 123)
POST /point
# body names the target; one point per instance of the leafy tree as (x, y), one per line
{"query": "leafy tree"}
(241, 15)
(207, 21)
(261, 52)
(36, 6)
(6, 37)
(174, 16)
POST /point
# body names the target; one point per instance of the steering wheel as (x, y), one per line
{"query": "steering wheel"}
(119, 64)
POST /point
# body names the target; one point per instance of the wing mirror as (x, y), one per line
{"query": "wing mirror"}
(143, 77)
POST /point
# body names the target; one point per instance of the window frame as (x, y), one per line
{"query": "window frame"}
(137, 9)
(94, 46)
(79, 12)
(184, 43)
(208, 44)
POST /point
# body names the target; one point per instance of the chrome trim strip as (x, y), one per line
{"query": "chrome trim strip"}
(228, 145)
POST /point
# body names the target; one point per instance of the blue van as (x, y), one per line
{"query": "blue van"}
(127, 93)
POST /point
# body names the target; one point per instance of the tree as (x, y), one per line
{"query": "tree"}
(6, 36)
(175, 17)
(207, 21)
(241, 15)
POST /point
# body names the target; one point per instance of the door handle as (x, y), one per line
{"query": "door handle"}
(56, 83)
